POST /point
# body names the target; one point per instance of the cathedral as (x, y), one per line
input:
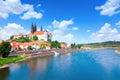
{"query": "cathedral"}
(41, 34)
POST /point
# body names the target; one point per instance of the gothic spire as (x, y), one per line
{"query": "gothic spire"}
(32, 28)
(35, 28)
(41, 29)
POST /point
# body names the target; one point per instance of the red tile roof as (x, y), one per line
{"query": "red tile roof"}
(39, 33)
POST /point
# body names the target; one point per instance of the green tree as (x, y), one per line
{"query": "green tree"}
(73, 45)
(43, 47)
(35, 38)
(79, 46)
(55, 44)
(5, 48)
(11, 37)
(29, 47)
(22, 39)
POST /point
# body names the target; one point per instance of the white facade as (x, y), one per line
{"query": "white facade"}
(46, 36)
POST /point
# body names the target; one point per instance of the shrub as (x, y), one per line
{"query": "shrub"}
(5, 48)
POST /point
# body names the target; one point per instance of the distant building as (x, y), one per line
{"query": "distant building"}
(42, 35)
(64, 45)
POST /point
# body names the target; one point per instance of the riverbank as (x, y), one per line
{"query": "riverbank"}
(99, 48)
(5, 62)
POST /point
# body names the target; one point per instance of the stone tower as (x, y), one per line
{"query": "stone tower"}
(41, 29)
(33, 28)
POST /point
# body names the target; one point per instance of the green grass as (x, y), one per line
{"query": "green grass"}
(8, 60)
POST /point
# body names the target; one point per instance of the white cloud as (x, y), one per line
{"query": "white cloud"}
(31, 14)
(63, 24)
(106, 33)
(88, 30)
(63, 37)
(75, 28)
(60, 33)
(15, 7)
(110, 8)
(11, 29)
(118, 24)
(68, 37)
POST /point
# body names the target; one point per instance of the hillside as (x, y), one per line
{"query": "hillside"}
(114, 44)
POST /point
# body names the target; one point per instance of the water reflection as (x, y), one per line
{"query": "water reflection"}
(84, 65)
(14, 67)
(38, 67)
(4, 73)
(38, 64)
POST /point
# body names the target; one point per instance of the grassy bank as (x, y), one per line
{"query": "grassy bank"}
(4, 61)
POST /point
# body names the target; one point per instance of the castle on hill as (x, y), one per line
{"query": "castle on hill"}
(41, 34)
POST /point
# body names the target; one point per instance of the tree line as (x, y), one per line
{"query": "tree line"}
(24, 39)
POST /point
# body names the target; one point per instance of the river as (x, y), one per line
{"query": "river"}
(84, 65)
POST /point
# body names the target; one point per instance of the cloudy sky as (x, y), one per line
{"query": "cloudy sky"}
(80, 21)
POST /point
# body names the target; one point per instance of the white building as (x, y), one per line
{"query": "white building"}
(42, 35)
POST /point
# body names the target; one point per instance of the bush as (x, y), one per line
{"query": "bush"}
(55, 44)
(35, 38)
(22, 39)
(29, 48)
(5, 48)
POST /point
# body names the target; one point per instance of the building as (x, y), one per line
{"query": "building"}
(42, 35)
(64, 45)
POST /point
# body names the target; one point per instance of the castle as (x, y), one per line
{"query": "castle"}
(41, 34)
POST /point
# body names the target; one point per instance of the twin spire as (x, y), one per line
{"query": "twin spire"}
(34, 28)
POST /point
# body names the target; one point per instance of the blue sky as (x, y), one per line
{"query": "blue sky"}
(80, 21)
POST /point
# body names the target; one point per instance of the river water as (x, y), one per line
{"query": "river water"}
(84, 65)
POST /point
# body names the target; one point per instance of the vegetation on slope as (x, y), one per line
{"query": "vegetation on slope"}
(103, 44)
(4, 61)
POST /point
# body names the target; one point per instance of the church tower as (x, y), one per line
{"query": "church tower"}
(41, 29)
(35, 28)
(32, 28)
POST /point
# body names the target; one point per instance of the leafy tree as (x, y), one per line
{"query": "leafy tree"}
(35, 38)
(22, 39)
(29, 47)
(73, 45)
(26, 39)
(79, 46)
(5, 48)
(43, 46)
(55, 44)
(11, 37)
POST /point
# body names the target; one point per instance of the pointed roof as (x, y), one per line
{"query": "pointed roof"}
(41, 29)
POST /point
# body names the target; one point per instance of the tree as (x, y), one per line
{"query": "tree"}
(43, 47)
(29, 47)
(55, 44)
(5, 48)
(79, 46)
(73, 45)
(35, 38)
(22, 39)
(11, 37)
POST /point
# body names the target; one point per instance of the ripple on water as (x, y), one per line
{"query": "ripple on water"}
(84, 65)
